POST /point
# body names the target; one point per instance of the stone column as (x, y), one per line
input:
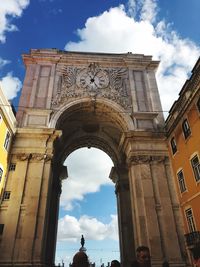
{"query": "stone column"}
(153, 209)
(126, 237)
(24, 215)
(59, 173)
(145, 218)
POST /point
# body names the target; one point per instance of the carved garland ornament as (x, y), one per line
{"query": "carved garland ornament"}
(34, 157)
(95, 82)
(145, 159)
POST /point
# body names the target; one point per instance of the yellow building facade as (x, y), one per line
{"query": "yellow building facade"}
(183, 130)
(7, 130)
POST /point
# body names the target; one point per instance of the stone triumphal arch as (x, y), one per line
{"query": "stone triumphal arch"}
(108, 101)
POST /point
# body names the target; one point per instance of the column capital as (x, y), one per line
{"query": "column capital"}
(34, 156)
(23, 156)
(41, 156)
(146, 159)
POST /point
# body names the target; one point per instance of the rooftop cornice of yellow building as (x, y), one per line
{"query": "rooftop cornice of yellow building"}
(7, 112)
(188, 92)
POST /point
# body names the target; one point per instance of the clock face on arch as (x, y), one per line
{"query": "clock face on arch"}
(93, 80)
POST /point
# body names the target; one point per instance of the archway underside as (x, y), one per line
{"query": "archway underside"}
(91, 124)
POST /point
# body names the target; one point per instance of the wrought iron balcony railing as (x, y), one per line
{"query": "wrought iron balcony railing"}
(192, 238)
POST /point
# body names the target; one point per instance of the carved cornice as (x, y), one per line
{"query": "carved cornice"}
(136, 61)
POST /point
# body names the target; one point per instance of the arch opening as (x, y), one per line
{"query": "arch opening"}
(88, 206)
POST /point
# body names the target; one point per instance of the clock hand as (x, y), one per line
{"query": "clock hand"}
(91, 76)
(96, 84)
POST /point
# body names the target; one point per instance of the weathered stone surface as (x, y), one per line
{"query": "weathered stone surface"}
(109, 101)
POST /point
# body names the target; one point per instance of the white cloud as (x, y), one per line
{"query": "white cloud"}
(115, 31)
(71, 228)
(3, 62)
(10, 86)
(149, 10)
(132, 8)
(10, 9)
(89, 167)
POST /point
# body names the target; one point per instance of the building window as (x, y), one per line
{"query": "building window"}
(1, 228)
(198, 104)
(196, 167)
(7, 140)
(186, 128)
(181, 181)
(190, 220)
(12, 167)
(173, 145)
(6, 195)
(1, 173)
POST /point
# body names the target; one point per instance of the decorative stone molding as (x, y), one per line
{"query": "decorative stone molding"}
(140, 159)
(34, 156)
(175, 207)
(39, 157)
(48, 157)
(146, 159)
(158, 159)
(23, 156)
(93, 81)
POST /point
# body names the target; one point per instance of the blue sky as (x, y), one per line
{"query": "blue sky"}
(88, 207)
(166, 29)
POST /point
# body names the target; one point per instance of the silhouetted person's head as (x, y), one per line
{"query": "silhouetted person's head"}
(80, 260)
(196, 255)
(115, 263)
(143, 256)
(165, 264)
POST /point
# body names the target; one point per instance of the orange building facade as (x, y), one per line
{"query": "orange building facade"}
(183, 135)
